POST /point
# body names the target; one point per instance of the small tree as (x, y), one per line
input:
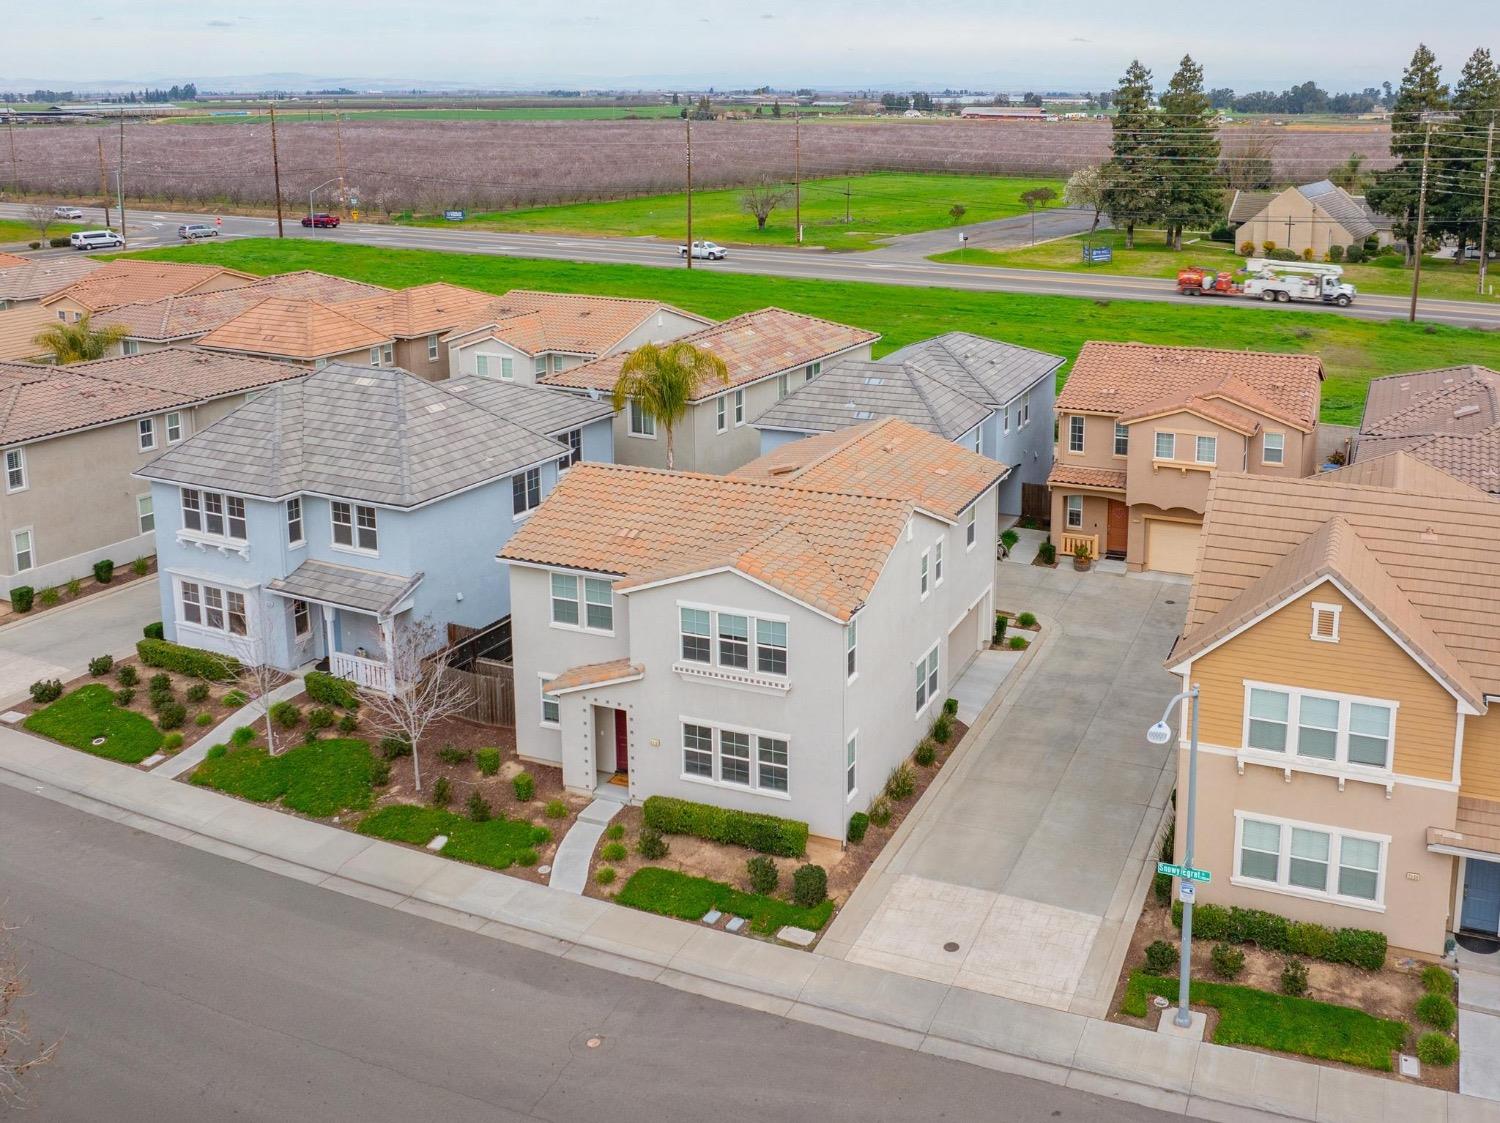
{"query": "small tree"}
(1350, 175)
(1037, 197)
(79, 341)
(258, 677)
(957, 211)
(40, 218)
(661, 379)
(422, 689)
(761, 199)
(20, 1054)
(1085, 192)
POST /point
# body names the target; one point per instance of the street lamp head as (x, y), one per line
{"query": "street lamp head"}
(1159, 734)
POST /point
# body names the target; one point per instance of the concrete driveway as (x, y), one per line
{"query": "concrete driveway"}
(1031, 852)
(59, 643)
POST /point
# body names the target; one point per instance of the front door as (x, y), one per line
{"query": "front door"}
(622, 744)
(1119, 528)
(1481, 909)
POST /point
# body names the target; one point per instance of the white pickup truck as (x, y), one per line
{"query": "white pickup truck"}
(706, 251)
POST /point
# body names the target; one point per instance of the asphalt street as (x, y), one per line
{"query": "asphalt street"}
(899, 264)
(184, 986)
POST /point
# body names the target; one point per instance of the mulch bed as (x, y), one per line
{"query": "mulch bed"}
(87, 586)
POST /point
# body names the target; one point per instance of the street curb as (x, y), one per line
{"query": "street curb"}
(19, 618)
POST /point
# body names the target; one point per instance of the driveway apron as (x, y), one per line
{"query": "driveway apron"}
(60, 642)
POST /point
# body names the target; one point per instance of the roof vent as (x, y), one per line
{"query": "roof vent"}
(629, 532)
(889, 446)
(873, 381)
(783, 469)
(437, 407)
(364, 382)
(940, 471)
(1429, 535)
(1466, 411)
(864, 415)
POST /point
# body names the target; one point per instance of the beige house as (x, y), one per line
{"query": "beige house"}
(418, 319)
(129, 279)
(1313, 216)
(1448, 418)
(19, 328)
(26, 280)
(769, 353)
(306, 332)
(1344, 633)
(1142, 429)
(71, 436)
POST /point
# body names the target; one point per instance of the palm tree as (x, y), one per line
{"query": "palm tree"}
(662, 380)
(79, 341)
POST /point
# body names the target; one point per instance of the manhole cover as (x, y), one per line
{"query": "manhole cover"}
(950, 946)
(1169, 602)
(97, 741)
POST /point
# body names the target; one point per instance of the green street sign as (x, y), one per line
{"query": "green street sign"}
(1187, 873)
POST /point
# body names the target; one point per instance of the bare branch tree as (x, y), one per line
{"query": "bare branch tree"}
(1085, 191)
(257, 676)
(761, 199)
(41, 219)
(422, 689)
(20, 1054)
(1249, 161)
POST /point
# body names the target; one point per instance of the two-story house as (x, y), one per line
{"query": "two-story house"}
(1141, 430)
(71, 436)
(769, 354)
(993, 397)
(1343, 633)
(1448, 418)
(25, 280)
(418, 319)
(131, 279)
(306, 332)
(317, 520)
(776, 640)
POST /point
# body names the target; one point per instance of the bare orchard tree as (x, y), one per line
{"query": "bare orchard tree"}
(255, 675)
(41, 219)
(761, 199)
(1085, 192)
(422, 689)
(1249, 161)
(20, 1054)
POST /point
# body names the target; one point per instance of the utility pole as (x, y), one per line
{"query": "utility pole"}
(103, 181)
(338, 141)
(848, 190)
(15, 168)
(797, 181)
(1484, 223)
(276, 175)
(1416, 273)
(120, 184)
(689, 255)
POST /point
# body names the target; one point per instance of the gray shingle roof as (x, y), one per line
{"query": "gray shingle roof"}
(1340, 206)
(854, 391)
(348, 586)
(378, 435)
(542, 411)
(983, 369)
(1247, 204)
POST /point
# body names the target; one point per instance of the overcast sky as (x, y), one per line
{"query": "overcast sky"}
(989, 44)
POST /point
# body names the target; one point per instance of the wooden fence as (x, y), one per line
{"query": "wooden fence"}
(1036, 503)
(492, 684)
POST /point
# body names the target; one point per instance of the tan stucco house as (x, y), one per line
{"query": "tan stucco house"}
(1311, 216)
(419, 319)
(1142, 429)
(26, 280)
(1343, 631)
(130, 279)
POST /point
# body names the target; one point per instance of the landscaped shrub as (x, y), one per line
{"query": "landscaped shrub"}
(614, 832)
(605, 875)
(926, 753)
(60, 242)
(1026, 619)
(478, 807)
(528, 857)
(126, 674)
(950, 707)
(140, 567)
(670, 893)
(764, 876)
(522, 783)
(197, 693)
(1311, 940)
(1357, 947)
(1437, 1049)
(124, 696)
(859, 823)
(1437, 979)
(651, 845)
(1161, 957)
(74, 587)
(1335, 252)
(555, 809)
(187, 660)
(21, 597)
(154, 630)
(319, 717)
(286, 714)
(242, 736)
(330, 690)
(1161, 887)
(49, 596)
(348, 724)
(1019, 643)
(810, 886)
(1437, 1011)
(171, 715)
(204, 719)
(488, 761)
(173, 741)
(159, 683)
(161, 696)
(1354, 254)
(1227, 960)
(215, 752)
(880, 811)
(901, 783)
(1047, 552)
(393, 747)
(613, 852)
(100, 665)
(766, 833)
(1008, 539)
(46, 690)
(449, 754)
(234, 699)
(1294, 977)
(1001, 622)
(942, 728)
(104, 571)
(442, 792)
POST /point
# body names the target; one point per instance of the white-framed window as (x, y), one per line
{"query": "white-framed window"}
(482, 365)
(1273, 448)
(740, 641)
(781, 386)
(1005, 424)
(22, 549)
(294, 536)
(1206, 449)
(525, 492)
(937, 563)
(927, 679)
(145, 433)
(1325, 623)
(15, 469)
(971, 527)
(301, 619)
(734, 640)
(432, 348)
(507, 368)
(924, 574)
(642, 424)
(573, 438)
(1075, 434)
(813, 370)
(739, 407)
(697, 750)
(851, 649)
(130, 347)
(1309, 859)
(1024, 414)
(851, 758)
(1166, 446)
(375, 356)
(978, 436)
(695, 625)
(1073, 509)
(174, 427)
(1122, 439)
(551, 709)
(355, 526)
(1338, 729)
(214, 513)
(209, 606)
(586, 603)
(737, 757)
(539, 367)
(771, 759)
(734, 757)
(145, 517)
(721, 413)
(318, 364)
(770, 647)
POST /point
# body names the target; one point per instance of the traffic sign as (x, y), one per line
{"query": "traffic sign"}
(1187, 873)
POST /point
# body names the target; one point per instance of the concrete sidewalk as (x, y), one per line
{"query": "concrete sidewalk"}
(1185, 1077)
(60, 642)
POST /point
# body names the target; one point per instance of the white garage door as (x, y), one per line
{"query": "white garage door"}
(1172, 547)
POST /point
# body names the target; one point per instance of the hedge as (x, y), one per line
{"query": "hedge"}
(1358, 947)
(21, 597)
(329, 690)
(766, 833)
(154, 630)
(187, 660)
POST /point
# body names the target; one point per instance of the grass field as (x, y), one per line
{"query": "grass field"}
(321, 778)
(1353, 351)
(1440, 279)
(291, 114)
(878, 205)
(89, 713)
(18, 231)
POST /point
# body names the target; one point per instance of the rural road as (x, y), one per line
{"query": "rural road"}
(185, 986)
(891, 266)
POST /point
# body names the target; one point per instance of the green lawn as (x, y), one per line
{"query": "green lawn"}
(879, 205)
(89, 712)
(18, 231)
(320, 779)
(670, 893)
(1281, 1022)
(1389, 276)
(1353, 351)
(497, 843)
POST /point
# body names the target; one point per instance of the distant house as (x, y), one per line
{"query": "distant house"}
(11, 260)
(27, 280)
(306, 332)
(419, 319)
(1448, 418)
(128, 279)
(19, 328)
(1003, 113)
(992, 397)
(1313, 216)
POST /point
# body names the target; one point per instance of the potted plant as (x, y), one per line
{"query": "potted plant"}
(1081, 557)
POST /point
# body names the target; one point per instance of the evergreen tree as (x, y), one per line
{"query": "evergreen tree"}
(1394, 191)
(1476, 102)
(1129, 175)
(1191, 192)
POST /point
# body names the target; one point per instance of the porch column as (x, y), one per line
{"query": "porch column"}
(327, 634)
(388, 641)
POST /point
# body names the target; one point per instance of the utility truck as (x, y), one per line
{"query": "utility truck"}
(1282, 281)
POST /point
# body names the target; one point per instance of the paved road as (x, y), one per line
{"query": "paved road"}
(997, 234)
(60, 642)
(190, 987)
(892, 267)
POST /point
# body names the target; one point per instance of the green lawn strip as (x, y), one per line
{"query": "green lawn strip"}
(670, 893)
(18, 230)
(497, 843)
(76, 719)
(320, 779)
(1353, 351)
(1281, 1022)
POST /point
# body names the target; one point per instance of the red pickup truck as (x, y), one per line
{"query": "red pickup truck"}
(321, 220)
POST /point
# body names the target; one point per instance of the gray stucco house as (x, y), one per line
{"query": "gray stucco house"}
(312, 522)
(992, 397)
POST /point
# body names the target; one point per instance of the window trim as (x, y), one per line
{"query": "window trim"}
(1340, 765)
(432, 347)
(1280, 450)
(1069, 510)
(224, 607)
(521, 489)
(1198, 439)
(930, 664)
(295, 520)
(721, 413)
(145, 434)
(305, 609)
(1077, 428)
(635, 414)
(739, 408)
(354, 509)
(1336, 838)
(851, 649)
(142, 515)
(1157, 435)
(19, 452)
(851, 765)
(753, 645)
(573, 438)
(16, 551)
(971, 527)
(716, 766)
(937, 563)
(1318, 611)
(168, 425)
(1122, 440)
(924, 575)
(580, 601)
(201, 532)
(543, 678)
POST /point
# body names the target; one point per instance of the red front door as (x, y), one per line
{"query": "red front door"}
(622, 744)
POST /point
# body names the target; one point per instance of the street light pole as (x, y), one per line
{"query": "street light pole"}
(312, 222)
(1160, 734)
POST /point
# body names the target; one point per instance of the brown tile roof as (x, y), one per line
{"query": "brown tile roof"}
(887, 457)
(1407, 410)
(823, 548)
(1130, 379)
(595, 674)
(19, 326)
(419, 310)
(1077, 475)
(130, 280)
(557, 321)
(33, 279)
(44, 401)
(1470, 458)
(295, 329)
(1423, 556)
(754, 346)
(11, 260)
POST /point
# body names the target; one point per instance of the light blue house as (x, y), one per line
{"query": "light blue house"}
(993, 397)
(312, 522)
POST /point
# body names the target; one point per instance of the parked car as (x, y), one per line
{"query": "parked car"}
(194, 230)
(1471, 253)
(95, 240)
(708, 251)
(66, 212)
(320, 220)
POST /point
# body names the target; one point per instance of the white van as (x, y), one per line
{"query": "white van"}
(191, 231)
(95, 240)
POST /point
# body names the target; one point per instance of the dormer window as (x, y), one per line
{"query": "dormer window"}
(1325, 623)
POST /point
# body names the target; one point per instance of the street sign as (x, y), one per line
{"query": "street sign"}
(1187, 873)
(1098, 255)
(1187, 892)
(454, 216)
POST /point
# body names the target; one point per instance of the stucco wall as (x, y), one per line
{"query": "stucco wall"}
(1028, 448)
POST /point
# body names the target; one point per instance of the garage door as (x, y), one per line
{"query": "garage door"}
(1172, 547)
(963, 641)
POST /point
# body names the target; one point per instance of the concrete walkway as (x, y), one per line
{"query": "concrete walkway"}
(981, 680)
(60, 642)
(1479, 1024)
(190, 757)
(570, 865)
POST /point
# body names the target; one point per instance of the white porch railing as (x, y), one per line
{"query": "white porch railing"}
(372, 674)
